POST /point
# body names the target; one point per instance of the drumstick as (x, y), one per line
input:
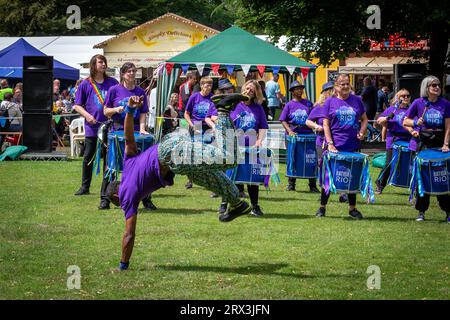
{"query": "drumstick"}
(396, 106)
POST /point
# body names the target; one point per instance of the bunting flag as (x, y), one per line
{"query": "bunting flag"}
(275, 69)
(185, 67)
(245, 68)
(305, 71)
(200, 67)
(261, 69)
(169, 67)
(230, 69)
(215, 67)
(291, 69)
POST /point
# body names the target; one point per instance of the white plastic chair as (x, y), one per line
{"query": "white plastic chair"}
(76, 130)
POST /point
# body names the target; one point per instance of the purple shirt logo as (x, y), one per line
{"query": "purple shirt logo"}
(433, 118)
(346, 117)
(299, 117)
(201, 109)
(246, 121)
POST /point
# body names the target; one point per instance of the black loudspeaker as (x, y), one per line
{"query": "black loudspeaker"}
(37, 132)
(409, 76)
(37, 84)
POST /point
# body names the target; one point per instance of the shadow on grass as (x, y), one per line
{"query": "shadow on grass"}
(266, 269)
(181, 211)
(271, 199)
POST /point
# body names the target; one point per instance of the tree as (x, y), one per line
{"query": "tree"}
(333, 30)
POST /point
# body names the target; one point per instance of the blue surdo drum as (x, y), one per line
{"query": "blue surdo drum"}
(254, 167)
(347, 172)
(401, 165)
(431, 172)
(301, 156)
(116, 147)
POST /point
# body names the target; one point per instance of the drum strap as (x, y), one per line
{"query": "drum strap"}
(97, 92)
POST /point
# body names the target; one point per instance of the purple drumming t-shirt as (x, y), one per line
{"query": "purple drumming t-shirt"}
(295, 113)
(251, 117)
(140, 177)
(344, 118)
(435, 115)
(395, 129)
(88, 99)
(198, 107)
(316, 115)
(118, 97)
(212, 112)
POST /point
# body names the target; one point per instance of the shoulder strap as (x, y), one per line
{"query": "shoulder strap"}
(97, 91)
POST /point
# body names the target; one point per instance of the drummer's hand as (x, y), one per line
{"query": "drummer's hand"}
(332, 148)
(360, 136)
(118, 109)
(420, 121)
(445, 148)
(291, 133)
(90, 119)
(319, 128)
(143, 132)
(258, 143)
(135, 101)
(415, 133)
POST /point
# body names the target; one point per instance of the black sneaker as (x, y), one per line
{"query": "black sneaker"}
(313, 189)
(290, 187)
(148, 204)
(223, 207)
(343, 198)
(188, 185)
(355, 214)
(232, 213)
(104, 205)
(82, 191)
(421, 216)
(321, 212)
(256, 211)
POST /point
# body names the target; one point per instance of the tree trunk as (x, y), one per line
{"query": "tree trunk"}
(438, 51)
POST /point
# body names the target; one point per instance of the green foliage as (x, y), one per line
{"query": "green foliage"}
(182, 251)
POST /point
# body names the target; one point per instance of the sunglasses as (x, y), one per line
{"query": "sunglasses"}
(435, 85)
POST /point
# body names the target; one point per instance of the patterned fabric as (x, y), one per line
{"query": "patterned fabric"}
(203, 163)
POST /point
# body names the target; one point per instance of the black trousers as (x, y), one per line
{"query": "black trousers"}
(385, 176)
(324, 198)
(253, 192)
(90, 144)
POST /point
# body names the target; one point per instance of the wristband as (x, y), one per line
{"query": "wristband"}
(129, 110)
(123, 265)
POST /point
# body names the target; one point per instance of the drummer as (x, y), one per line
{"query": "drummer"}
(392, 118)
(249, 116)
(431, 113)
(89, 102)
(156, 167)
(343, 131)
(115, 103)
(293, 118)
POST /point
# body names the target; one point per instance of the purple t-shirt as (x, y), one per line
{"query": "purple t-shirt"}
(395, 129)
(295, 113)
(88, 99)
(198, 107)
(344, 118)
(118, 96)
(140, 177)
(212, 112)
(316, 115)
(251, 117)
(435, 115)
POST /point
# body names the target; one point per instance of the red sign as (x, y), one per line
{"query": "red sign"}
(398, 43)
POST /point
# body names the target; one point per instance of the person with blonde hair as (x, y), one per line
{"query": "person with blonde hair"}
(249, 117)
(431, 114)
(392, 119)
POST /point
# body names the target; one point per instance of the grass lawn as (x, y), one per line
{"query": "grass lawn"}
(182, 251)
